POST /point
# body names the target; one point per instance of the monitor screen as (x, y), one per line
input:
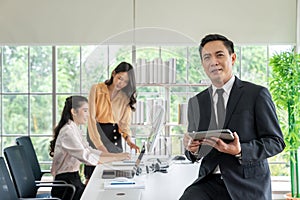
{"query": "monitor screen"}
(156, 121)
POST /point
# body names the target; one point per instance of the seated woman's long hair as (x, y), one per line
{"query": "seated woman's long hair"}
(74, 102)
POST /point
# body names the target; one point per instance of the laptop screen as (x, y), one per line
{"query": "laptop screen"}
(138, 160)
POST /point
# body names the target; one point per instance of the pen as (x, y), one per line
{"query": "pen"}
(122, 183)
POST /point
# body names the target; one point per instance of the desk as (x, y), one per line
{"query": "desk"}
(157, 185)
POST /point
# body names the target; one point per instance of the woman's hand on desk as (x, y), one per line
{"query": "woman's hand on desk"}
(110, 157)
(130, 143)
(133, 146)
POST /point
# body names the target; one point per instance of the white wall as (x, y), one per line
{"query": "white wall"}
(156, 21)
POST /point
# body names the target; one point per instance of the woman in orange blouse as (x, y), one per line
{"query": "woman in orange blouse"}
(110, 106)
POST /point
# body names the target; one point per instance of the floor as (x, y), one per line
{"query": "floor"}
(280, 186)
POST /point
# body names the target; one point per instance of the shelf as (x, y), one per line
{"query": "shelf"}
(171, 85)
(174, 124)
(141, 124)
(149, 125)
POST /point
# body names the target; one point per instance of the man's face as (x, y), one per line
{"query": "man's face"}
(217, 62)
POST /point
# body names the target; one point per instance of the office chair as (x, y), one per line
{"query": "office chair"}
(23, 177)
(26, 142)
(7, 188)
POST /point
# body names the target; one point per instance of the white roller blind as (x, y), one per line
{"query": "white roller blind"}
(63, 21)
(157, 21)
(244, 21)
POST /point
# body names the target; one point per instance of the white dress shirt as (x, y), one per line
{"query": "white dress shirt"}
(227, 88)
(71, 149)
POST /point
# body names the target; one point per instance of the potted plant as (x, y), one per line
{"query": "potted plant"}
(285, 89)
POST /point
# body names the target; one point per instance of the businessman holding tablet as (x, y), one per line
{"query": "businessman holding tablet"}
(232, 169)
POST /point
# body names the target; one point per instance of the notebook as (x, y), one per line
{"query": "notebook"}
(129, 173)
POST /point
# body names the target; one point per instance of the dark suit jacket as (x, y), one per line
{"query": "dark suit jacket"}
(251, 113)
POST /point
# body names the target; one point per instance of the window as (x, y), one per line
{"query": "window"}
(35, 80)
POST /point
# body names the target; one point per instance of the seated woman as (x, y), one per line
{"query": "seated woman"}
(69, 148)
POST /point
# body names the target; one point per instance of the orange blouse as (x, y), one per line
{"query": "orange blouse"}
(103, 110)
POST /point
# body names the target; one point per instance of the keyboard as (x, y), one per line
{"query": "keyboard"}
(110, 174)
(125, 173)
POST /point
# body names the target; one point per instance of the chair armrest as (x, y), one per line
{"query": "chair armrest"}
(52, 198)
(72, 187)
(57, 181)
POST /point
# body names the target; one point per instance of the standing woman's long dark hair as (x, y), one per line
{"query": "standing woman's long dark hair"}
(71, 102)
(130, 89)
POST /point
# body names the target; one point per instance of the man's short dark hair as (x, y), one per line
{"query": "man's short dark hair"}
(214, 37)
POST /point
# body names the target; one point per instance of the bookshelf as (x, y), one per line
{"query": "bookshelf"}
(167, 92)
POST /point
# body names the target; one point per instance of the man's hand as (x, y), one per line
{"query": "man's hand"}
(190, 144)
(232, 148)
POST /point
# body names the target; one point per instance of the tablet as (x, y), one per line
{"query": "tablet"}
(224, 134)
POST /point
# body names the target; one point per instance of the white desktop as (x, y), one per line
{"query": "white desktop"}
(161, 176)
(148, 186)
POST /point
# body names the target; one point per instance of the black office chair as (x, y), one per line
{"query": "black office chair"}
(23, 177)
(7, 188)
(31, 155)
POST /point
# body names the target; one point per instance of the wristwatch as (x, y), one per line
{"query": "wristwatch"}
(239, 157)
(195, 153)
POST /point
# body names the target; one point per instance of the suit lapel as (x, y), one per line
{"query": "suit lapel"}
(207, 117)
(234, 97)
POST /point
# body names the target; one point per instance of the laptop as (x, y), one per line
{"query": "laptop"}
(129, 173)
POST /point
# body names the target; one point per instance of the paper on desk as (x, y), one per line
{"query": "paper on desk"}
(134, 184)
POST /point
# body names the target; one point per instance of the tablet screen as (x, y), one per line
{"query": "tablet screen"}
(224, 134)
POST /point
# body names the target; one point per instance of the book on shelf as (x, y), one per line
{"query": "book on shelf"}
(150, 108)
(138, 117)
(145, 110)
(141, 113)
(165, 72)
(151, 71)
(182, 113)
(144, 70)
(156, 71)
(137, 71)
(172, 70)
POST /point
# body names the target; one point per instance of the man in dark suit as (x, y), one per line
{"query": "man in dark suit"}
(236, 169)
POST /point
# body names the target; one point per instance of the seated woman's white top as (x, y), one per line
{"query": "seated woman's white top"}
(72, 149)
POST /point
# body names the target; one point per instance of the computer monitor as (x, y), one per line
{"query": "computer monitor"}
(156, 120)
